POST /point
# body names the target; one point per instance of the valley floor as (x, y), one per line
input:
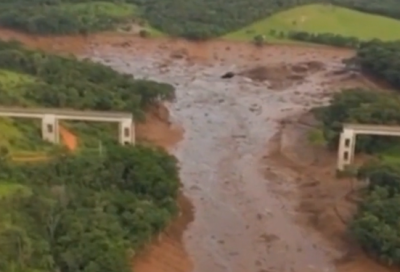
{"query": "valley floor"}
(248, 196)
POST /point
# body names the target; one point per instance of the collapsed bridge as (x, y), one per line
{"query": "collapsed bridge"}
(50, 118)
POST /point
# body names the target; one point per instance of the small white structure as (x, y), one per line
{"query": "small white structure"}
(50, 118)
(348, 139)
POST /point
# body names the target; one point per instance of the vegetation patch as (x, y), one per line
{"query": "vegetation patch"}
(84, 213)
(200, 19)
(194, 19)
(37, 79)
(376, 223)
(67, 17)
(320, 19)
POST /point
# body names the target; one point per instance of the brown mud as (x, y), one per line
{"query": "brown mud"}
(68, 139)
(326, 203)
(291, 88)
(158, 129)
(167, 252)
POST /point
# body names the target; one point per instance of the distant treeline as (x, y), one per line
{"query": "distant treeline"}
(194, 19)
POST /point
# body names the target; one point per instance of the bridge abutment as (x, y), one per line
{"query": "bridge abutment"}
(50, 128)
(346, 149)
(348, 139)
(126, 132)
(50, 120)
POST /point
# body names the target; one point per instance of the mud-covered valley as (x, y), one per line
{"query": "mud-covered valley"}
(244, 219)
(252, 184)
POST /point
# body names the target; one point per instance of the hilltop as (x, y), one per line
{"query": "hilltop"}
(194, 19)
(319, 18)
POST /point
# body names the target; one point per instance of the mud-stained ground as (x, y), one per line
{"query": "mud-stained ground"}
(255, 208)
(240, 222)
(326, 204)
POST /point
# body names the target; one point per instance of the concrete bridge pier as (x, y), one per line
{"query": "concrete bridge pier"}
(346, 150)
(126, 132)
(50, 131)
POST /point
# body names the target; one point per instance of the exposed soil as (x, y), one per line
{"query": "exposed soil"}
(167, 253)
(326, 203)
(158, 128)
(280, 77)
(256, 209)
(68, 138)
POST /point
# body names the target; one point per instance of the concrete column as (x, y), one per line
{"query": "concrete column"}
(126, 132)
(50, 128)
(346, 149)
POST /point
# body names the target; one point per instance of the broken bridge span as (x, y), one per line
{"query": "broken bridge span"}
(50, 118)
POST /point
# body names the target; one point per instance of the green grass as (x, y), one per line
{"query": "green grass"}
(14, 80)
(8, 188)
(323, 19)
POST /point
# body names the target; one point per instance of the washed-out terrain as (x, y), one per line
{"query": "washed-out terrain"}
(241, 222)
(252, 196)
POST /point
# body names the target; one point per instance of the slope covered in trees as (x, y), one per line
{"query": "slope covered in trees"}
(83, 213)
(195, 19)
(376, 223)
(33, 78)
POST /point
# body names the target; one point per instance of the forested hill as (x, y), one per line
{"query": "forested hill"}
(84, 213)
(186, 18)
(31, 78)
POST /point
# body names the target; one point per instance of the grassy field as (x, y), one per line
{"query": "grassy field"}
(322, 19)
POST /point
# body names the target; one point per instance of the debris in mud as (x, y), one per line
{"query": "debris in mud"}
(179, 54)
(228, 75)
(255, 108)
(283, 75)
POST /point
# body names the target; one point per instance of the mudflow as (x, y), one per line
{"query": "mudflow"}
(244, 219)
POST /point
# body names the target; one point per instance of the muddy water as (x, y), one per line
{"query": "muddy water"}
(241, 223)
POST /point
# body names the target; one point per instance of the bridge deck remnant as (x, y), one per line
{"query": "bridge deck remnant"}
(50, 118)
(348, 139)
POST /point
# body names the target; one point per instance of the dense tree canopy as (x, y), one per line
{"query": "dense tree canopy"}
(376, 224)
(197, 19)
(364, 107)
(69, 83)
(35, 78)
(381, 59)
(80, 213)
(324, 38)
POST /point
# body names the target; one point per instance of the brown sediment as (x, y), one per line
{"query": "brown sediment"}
(326, 203)
(167, 253)
(68, 138)
(158, 129)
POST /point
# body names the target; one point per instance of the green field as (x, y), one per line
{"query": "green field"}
(323, 19)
